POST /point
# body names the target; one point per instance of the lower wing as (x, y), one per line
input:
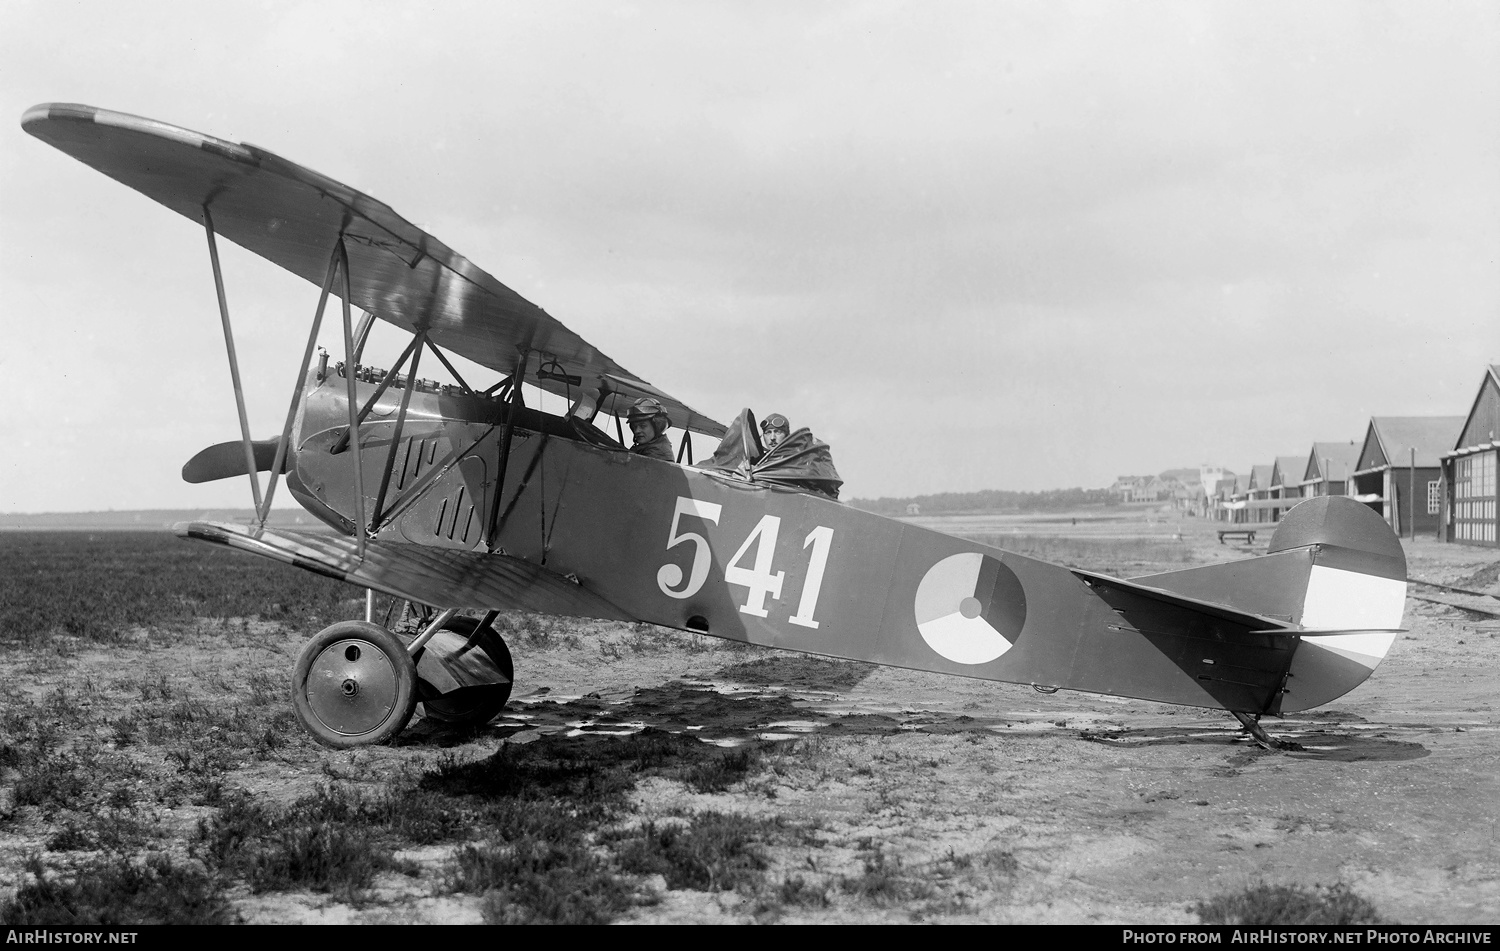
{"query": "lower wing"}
(442, 577)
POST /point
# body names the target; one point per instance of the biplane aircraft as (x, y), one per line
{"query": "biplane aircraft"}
(462, 498)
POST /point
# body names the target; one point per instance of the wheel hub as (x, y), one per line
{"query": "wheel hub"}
(352, 687)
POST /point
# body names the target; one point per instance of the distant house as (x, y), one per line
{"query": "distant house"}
(1219, 485)
(1140, 489)
(1123, 487)
(1215, 480)
(1187, 496)
(1256, 493)
(1329, 466)
(1469, 470)
(1399, 472)
(1286, 482)
(1185, 489)
(1157, 490)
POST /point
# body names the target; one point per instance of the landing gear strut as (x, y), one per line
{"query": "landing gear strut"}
(478, 705)
(1251, 724)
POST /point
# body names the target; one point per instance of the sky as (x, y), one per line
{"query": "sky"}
(1007, 245)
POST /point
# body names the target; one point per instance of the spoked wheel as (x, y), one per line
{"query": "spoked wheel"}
(478, 705)
(354, 685)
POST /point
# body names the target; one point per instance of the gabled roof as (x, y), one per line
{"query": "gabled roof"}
(1390, 440)
(1260, 477)
(1482, 426)
(1288, 470)
(1331, 460)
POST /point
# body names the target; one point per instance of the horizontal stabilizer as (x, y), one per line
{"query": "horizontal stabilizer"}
(443, 577)
(1215, 609)
(227, 460)
(1295, 632)
(1211, 642)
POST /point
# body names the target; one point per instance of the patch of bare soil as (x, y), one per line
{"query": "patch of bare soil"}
(881, 794)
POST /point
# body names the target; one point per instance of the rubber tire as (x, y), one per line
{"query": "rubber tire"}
(474, 706)
(319, 679)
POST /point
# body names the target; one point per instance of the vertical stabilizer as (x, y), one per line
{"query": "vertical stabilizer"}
(1357, 584)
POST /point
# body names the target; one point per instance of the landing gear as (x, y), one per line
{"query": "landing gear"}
(477, 705)
(1251, 724)
(354, 685)
(357, 684)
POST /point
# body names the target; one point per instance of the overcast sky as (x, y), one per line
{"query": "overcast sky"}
(1020, 245)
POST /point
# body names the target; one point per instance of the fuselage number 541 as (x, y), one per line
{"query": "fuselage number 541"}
(758, 577)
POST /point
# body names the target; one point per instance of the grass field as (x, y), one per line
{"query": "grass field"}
(58, 588)
(146, 792)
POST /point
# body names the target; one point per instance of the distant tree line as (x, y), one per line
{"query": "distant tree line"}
(988, 500)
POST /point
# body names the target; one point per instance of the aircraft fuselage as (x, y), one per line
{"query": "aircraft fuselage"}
(700, 551)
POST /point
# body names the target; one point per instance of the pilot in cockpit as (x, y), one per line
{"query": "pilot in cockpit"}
(779, 456)
(773, 431)
(648, 425)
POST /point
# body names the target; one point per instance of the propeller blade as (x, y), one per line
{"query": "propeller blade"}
(227, 459)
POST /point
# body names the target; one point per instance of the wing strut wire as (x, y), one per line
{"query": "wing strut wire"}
(505, 441)
(390, 456)
(342, 442)
(521, 485)
(342, 258)
(234, 363)
(439, 354)
(363, 334)
(284, 443)
(428, 478)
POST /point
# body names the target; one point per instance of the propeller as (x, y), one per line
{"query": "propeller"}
(227, 459)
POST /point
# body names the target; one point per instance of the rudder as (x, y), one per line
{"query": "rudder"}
(1357, 583)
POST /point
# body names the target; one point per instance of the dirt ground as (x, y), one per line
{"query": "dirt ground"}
(1128, 811)
(1022, 807)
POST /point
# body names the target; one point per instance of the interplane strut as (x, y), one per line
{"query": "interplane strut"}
(234, 363)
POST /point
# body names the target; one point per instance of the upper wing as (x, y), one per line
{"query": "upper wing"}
(292, 216)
